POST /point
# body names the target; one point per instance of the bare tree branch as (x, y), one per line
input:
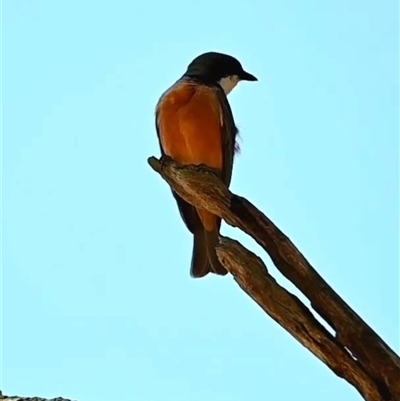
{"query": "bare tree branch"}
(16, 398)
(287, 310)
(366, 361)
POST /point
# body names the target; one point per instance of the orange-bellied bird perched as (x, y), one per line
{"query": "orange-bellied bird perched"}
(195, 125)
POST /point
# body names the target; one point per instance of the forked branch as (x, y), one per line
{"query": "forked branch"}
(356, 353)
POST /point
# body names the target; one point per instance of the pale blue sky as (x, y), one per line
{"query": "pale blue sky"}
(98, 304)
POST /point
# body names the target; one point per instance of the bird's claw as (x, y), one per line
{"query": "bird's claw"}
(164, 159)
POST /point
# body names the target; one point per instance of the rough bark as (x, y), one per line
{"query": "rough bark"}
(356, 353)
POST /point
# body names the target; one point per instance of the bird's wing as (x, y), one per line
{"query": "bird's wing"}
(229, 134)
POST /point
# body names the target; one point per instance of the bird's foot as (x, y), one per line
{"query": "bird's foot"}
(164, 159)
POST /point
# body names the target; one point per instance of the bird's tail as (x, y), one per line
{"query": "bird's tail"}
(204, 256)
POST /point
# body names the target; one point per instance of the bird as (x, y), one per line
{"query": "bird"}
(195, 126)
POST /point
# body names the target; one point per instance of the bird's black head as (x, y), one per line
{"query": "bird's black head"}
(219, 68)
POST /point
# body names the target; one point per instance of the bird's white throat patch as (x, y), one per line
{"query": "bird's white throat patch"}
(228, 83)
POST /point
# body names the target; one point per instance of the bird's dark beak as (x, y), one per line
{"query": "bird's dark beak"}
(245, 76)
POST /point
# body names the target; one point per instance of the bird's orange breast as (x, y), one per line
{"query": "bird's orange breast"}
(190, 127)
